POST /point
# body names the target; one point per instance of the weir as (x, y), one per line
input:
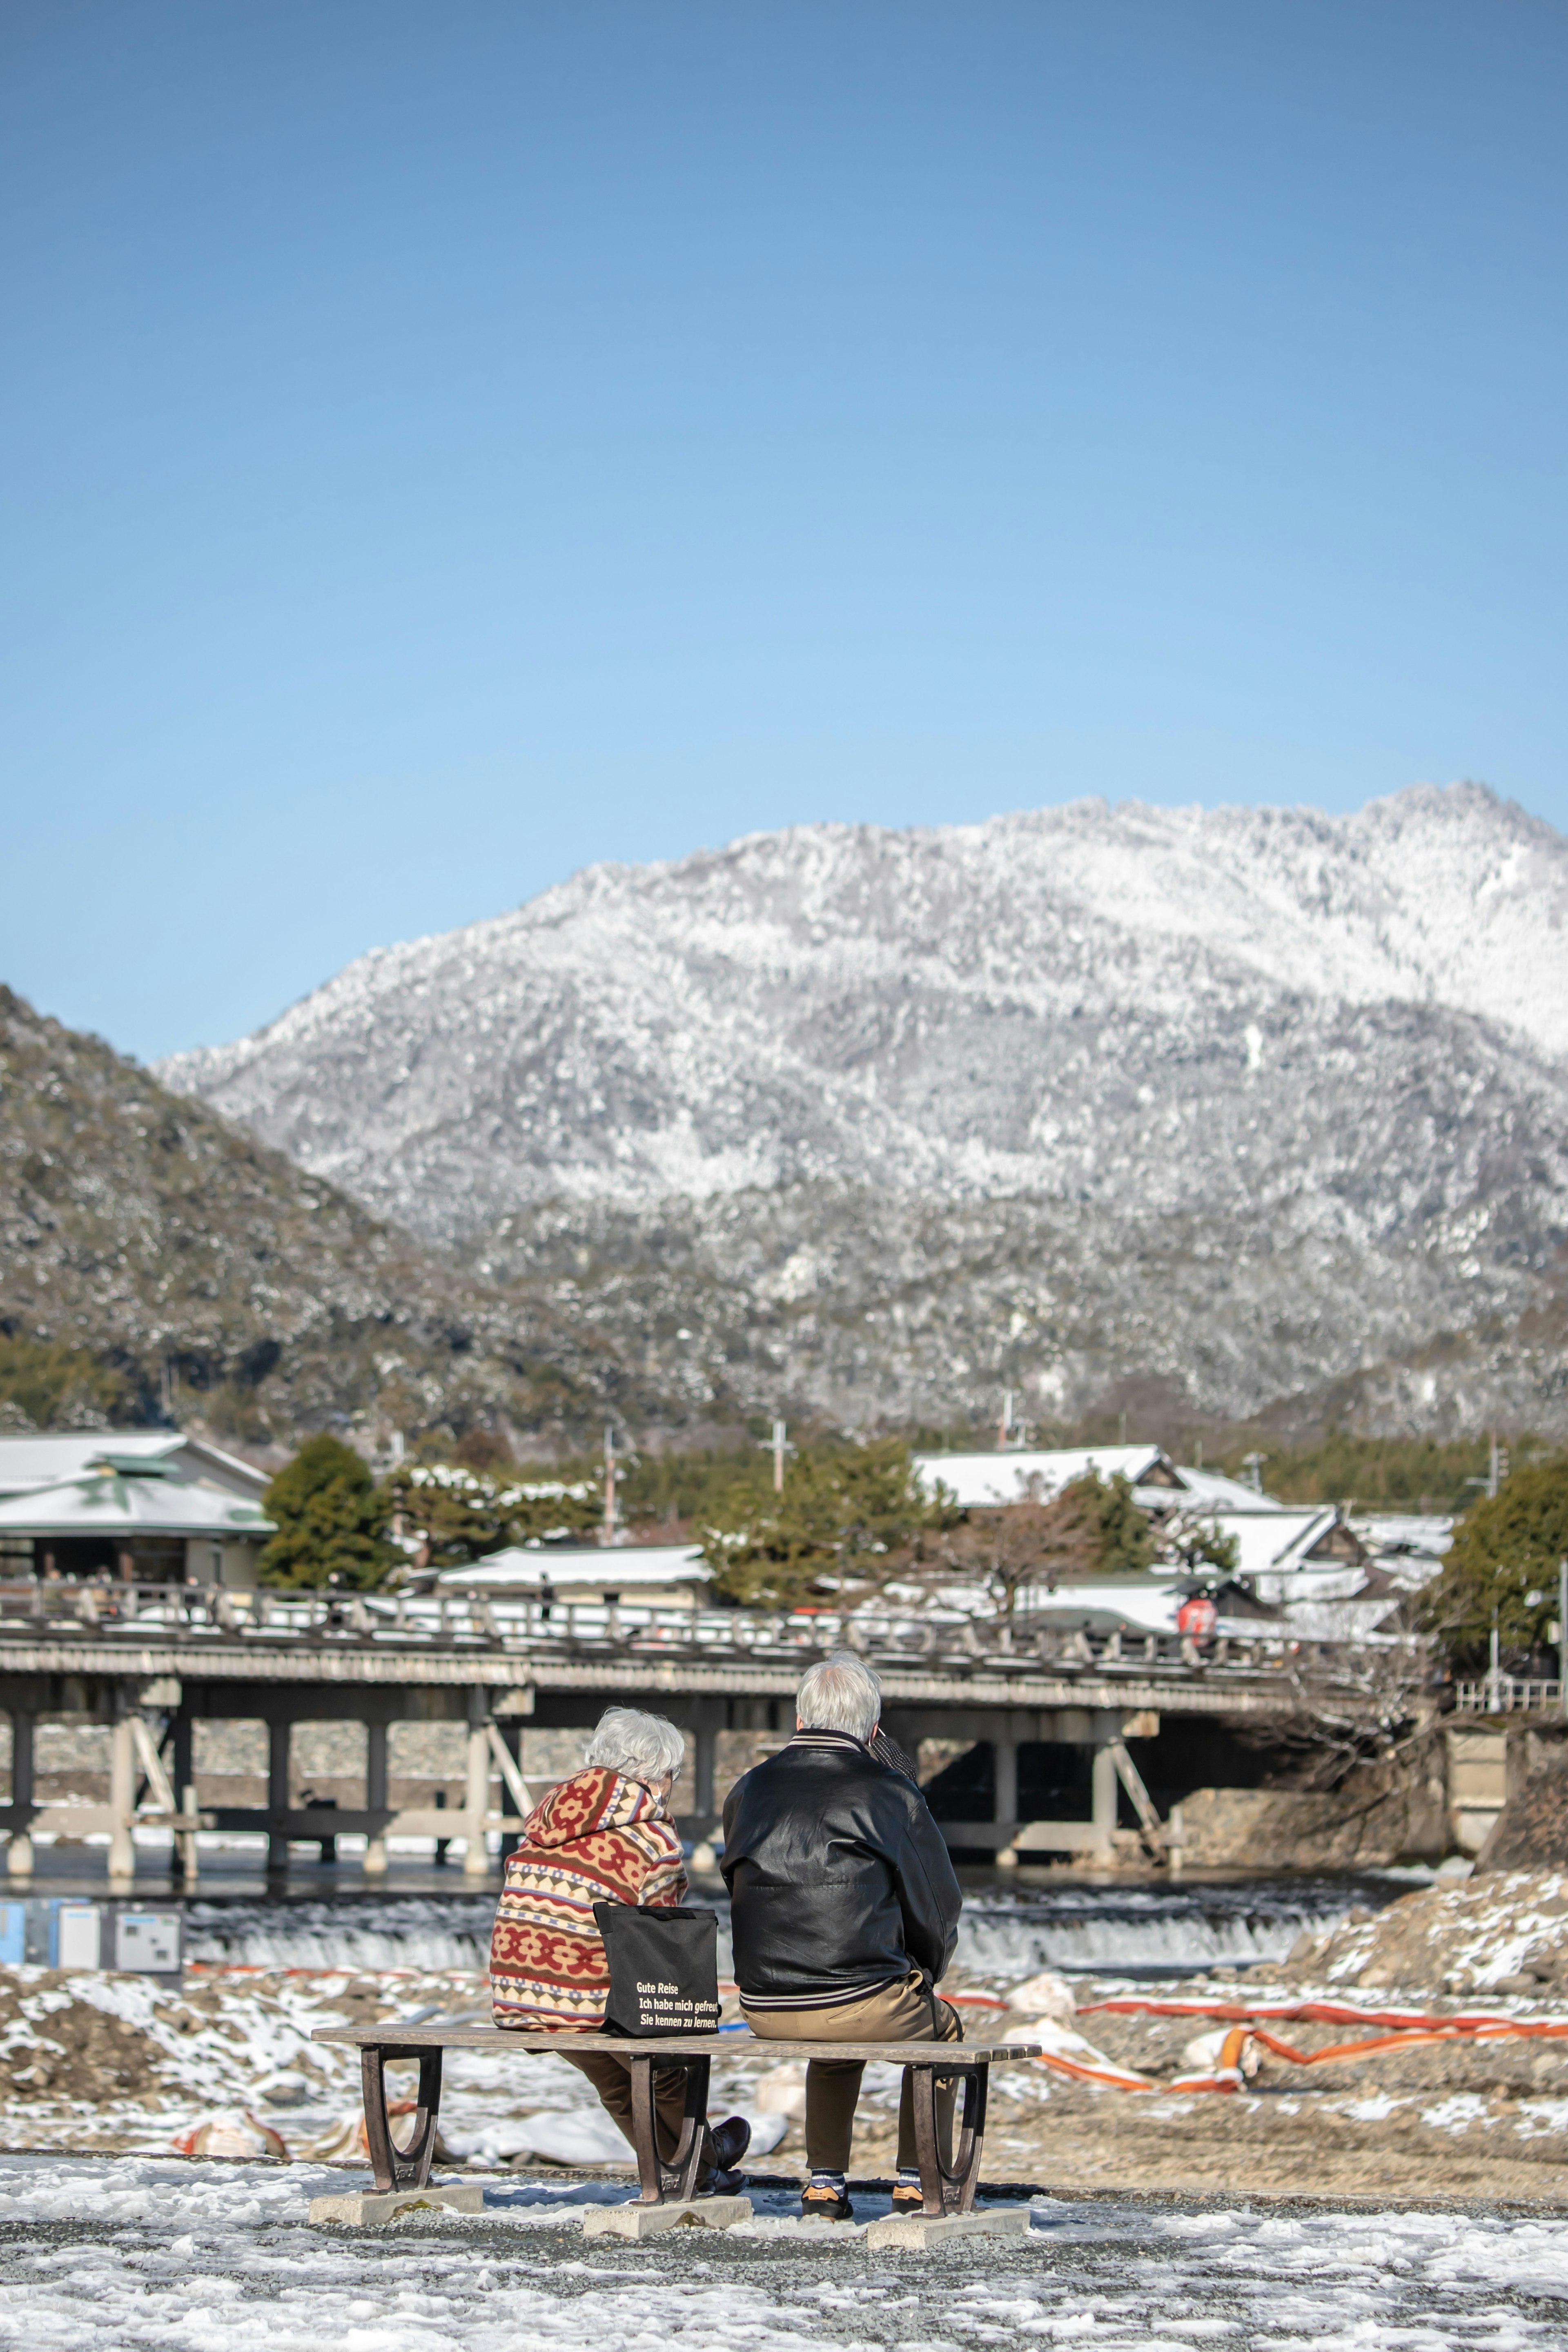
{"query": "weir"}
(151, 1661)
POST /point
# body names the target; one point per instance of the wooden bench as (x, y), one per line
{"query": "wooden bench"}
(944, 2190)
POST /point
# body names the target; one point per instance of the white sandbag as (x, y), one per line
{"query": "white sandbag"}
(1201, 2053)
(229, 2131)
(1046, 1995)
(1058, 2039)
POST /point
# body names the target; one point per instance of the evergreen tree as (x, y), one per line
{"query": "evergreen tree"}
(846, 1515)
(457, 1514)
(331, 1520)
(1505, 1548)
(1126, 1539)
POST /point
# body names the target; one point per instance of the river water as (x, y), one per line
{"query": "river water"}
(1008, 1930)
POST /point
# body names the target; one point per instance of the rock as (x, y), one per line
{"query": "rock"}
(1531, 1831)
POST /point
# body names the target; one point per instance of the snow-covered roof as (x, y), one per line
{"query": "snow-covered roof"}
(47, 1457)
(1214, 1492)
(1008, 1475)
(1393, 1532)
(1147, 1603)
(1275, 1542)
(110, 1502)
(615, 1568)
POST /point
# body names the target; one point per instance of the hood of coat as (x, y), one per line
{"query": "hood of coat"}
(595, 1798)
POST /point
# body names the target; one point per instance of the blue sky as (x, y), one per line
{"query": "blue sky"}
(445, 445)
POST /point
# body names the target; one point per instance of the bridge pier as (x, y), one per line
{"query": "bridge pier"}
(20, 1845)
(122, 1792)
(376, 1796)
(277, 1730)
(476, 1798)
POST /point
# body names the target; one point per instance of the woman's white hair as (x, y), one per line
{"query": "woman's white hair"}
(842, 1694)
(641, 1746)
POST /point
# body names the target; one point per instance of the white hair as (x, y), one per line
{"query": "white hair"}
(841, 1694)
(641, 1746)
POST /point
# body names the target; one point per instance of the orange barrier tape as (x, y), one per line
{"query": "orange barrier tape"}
(1412, 2028)
(1332, 2012)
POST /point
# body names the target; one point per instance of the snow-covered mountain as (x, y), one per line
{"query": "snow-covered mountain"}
(1252, 1098)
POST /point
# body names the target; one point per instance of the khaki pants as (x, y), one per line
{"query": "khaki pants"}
(902, 2011)
(612, 2078)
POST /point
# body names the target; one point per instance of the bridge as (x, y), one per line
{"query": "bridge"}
(150, 1661)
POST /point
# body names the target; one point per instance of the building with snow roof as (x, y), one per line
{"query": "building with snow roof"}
(133, 1516)
(984, 1481)
(48, 1457)
(673, 1576)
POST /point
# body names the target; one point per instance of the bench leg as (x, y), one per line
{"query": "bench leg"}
(687, 2161)
(407, 2166)
(945, 2192)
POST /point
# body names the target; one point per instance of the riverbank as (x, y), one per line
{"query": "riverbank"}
(123, 2064)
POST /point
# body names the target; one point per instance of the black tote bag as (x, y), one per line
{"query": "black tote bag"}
(664, 1969)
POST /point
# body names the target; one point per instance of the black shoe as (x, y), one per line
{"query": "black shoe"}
(717, 2181)
(732, 2138)
(820, 2202)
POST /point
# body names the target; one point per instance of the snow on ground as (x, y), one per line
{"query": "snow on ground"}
(96, 2256)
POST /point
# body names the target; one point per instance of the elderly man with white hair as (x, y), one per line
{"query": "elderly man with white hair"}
(603, 1836)
(844, 1912)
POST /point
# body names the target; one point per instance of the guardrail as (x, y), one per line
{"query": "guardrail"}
(527, 1627)
(1501, 1695)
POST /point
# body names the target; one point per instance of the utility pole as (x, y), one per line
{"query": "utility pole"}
(608, 1535)
(779, 1446)
(1003, 1427)
(1491, 1467)
(1253, 1465)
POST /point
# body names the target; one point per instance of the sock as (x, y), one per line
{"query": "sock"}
(820, 2173)
(908, 2176)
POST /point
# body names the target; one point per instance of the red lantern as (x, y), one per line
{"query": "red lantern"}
(1197, 1617)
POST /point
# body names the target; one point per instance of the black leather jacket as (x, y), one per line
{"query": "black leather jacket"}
(840, 1879)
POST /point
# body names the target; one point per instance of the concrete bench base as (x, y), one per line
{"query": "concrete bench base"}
(917, 2232)
(648, 2220)
(367, 2205)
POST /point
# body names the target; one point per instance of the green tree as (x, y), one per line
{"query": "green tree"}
(1197, 1545)
(1126, 1539)
(457, 1514)
(331, 1520)
(847, 1516)
(1505, 1548)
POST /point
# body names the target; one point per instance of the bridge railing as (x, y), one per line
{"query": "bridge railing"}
(1502, 1694)
(526, 1625)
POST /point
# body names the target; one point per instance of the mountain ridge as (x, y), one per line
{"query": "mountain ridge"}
(1256, 1098)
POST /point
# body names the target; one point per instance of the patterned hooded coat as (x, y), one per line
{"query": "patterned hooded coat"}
(596, 1838)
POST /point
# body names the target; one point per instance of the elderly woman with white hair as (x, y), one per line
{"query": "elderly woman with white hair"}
(844, 1912)
(603, 1836)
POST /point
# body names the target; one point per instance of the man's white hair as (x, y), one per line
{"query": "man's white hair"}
(842, 1694)
(640, 1747)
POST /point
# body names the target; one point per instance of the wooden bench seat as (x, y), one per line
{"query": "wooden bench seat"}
(945, 2190)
